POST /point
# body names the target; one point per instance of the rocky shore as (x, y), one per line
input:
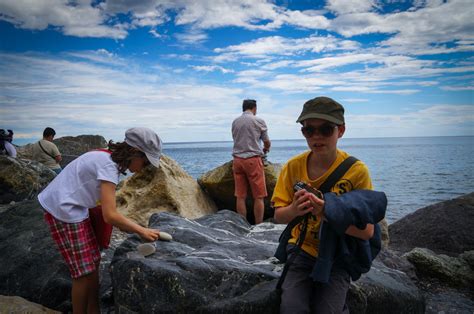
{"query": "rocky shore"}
(217, 261)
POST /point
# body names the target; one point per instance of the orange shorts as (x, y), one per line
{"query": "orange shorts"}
(249, 171)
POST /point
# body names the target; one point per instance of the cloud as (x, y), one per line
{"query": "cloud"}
(192, 37)
(353, 6)
(458, 88)
(86, 96)
(434, 120)
(211, 68)
(76, 19)
(413, 30)
(278, 45)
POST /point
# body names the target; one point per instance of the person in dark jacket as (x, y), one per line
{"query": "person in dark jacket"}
(337, 230)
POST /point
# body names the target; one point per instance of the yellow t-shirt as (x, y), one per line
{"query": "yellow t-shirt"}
(356, 178)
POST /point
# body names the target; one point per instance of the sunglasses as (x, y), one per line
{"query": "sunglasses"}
(326, 130)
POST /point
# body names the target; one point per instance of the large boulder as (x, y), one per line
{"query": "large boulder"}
(70, 147)
(168, 188)
(31, 266)
(445, 228)
(221, 264)
(385, 290)
(22, 179)
(219, 184)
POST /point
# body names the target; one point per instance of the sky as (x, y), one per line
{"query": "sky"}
(183, 68)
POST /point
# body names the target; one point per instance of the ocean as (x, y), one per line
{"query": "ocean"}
(413, 172)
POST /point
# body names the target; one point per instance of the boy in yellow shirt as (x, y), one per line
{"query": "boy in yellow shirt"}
(323, 124)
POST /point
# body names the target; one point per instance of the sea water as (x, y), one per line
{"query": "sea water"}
(414, 172)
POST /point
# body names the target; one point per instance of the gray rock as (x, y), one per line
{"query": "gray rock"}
(454, 271)
(31, 266)
(221, 264)
(444, 228)
(22, 179)
(385, 290)
(70, 147)
(214, 262)
(73, 146)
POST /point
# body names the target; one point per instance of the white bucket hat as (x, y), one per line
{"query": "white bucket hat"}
(147, 141)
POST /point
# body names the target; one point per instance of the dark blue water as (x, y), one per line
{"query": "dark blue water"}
(413, 172)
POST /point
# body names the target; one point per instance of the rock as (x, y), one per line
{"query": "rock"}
(70, 147)
(13, 304)
(22, 179)
(168, 188)
(449, 301)
(385, 235)
(219, 184)
(73, 146)
(444, 228)
(385, 290)
(454, 271)
(221, 264)
(211, 265)
(31, 266)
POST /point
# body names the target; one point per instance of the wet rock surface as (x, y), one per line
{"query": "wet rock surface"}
(221, 264)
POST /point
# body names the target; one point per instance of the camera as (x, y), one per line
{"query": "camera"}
(301, 185)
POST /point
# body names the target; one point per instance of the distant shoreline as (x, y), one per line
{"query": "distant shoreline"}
(21, 142)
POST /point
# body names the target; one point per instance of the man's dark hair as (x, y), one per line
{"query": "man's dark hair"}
(48, 132)
(249, 104)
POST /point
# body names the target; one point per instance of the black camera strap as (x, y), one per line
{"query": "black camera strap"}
(324, 188)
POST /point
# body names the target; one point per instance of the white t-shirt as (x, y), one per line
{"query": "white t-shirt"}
(77, 188)
(11, 151)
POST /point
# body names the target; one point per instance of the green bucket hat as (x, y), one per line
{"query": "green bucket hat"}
(323, 108)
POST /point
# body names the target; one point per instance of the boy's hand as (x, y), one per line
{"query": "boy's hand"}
(317, 205)
(301, 202)
(149, 235)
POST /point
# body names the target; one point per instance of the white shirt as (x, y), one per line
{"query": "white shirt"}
(77, 188)
(11, 151)
(247, 132)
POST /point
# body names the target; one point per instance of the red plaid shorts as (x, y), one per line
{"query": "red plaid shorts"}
(77, 244)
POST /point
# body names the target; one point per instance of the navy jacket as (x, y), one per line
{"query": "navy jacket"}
(357, 207)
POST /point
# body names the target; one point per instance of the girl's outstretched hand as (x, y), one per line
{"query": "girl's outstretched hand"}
(149, 235)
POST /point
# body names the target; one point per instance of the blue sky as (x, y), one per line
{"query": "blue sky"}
(182, 68)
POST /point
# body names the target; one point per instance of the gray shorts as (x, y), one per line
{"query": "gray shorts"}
(300, 294)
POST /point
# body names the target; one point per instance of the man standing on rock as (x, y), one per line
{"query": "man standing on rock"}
(247, 132)
(46, 152)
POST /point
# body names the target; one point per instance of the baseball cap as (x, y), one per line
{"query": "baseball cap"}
(147, 141)
(324, 108)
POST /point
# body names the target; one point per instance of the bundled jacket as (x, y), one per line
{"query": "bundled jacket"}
(359, 208)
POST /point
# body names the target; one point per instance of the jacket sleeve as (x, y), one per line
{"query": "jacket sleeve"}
(357, 207)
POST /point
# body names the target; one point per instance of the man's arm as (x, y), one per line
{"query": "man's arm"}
(266, 146)
(56, 154)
